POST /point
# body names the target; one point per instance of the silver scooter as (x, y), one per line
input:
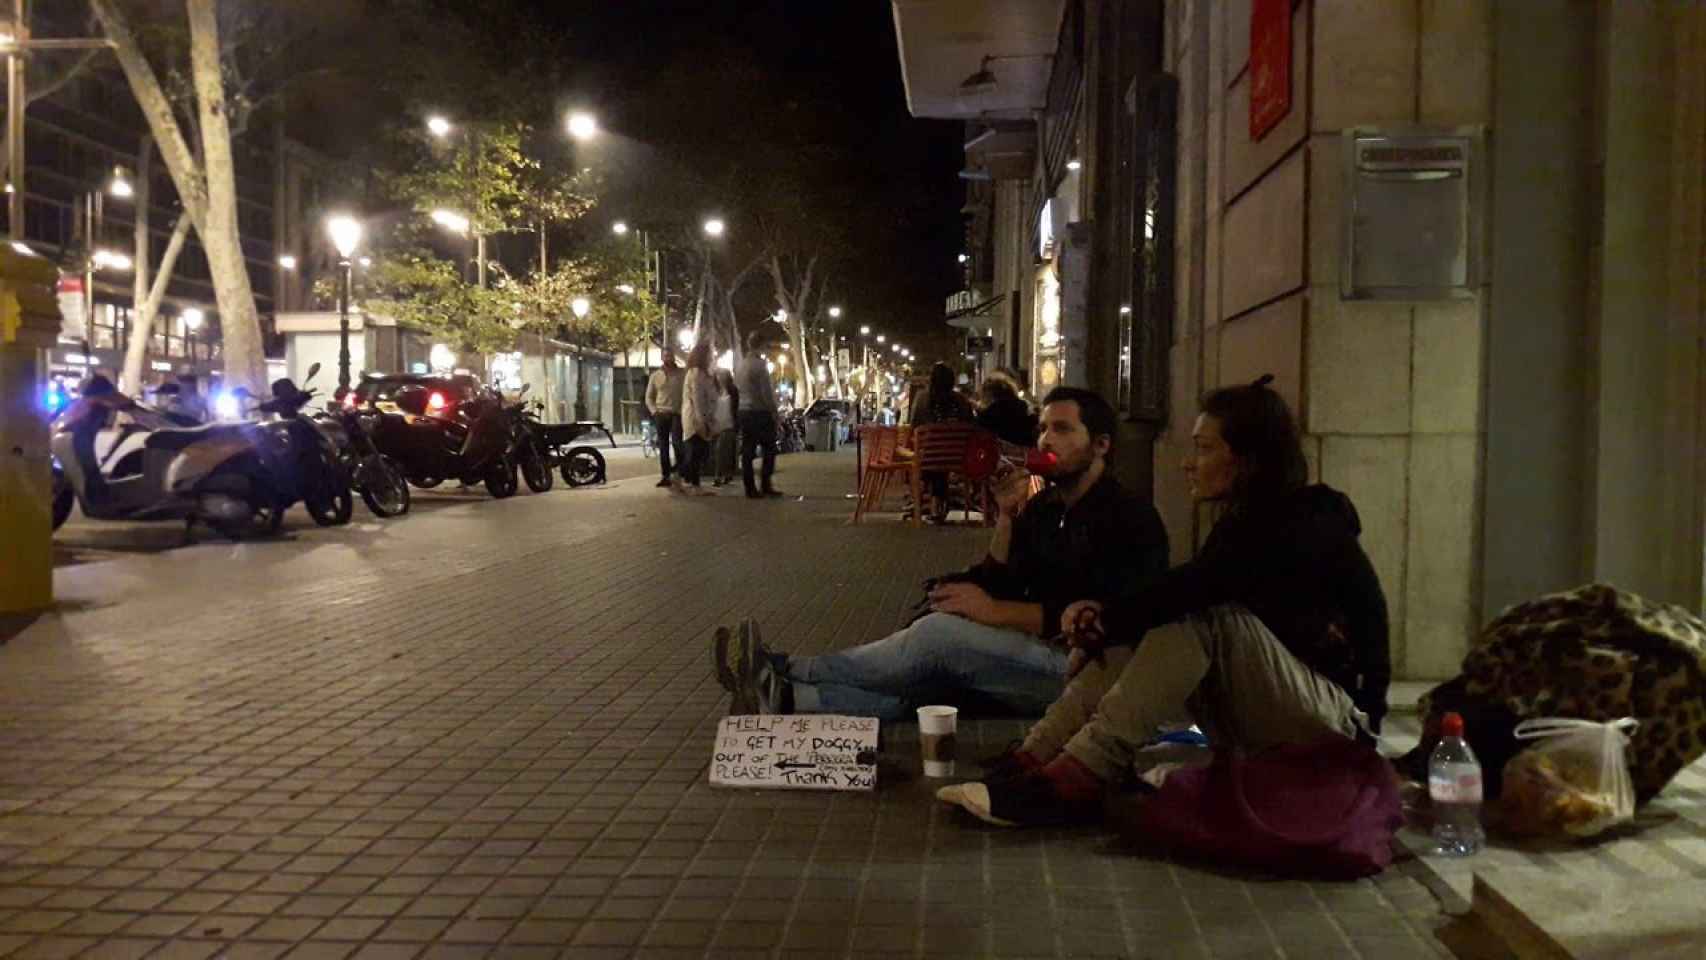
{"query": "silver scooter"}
(122, 460)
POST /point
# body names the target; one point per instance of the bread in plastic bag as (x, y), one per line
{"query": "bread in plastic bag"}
(1574, 780)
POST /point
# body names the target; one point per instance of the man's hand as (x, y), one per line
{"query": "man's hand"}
(964, 599)
(1010, 495)
(1082, 617)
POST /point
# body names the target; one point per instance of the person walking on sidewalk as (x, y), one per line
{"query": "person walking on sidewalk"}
(758, 411)
(728, 434)
(988, 635)
(663, 402)
(698, 417)
(1276, 633)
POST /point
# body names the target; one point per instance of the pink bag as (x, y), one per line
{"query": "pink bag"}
(1324, 810)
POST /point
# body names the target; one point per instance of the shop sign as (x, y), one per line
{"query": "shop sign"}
(73, 311)
(1270, 65)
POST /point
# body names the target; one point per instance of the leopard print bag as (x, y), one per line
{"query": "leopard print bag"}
(1593, 653)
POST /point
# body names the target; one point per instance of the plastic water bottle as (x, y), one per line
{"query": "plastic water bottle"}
(1454, 786)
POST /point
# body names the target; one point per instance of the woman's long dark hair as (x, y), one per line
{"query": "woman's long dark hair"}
(1259, 428)
(941, 386)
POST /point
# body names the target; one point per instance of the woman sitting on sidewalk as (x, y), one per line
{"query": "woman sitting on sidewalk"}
(1275, 633)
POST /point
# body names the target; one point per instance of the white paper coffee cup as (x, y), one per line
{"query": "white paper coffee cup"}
(936, 739)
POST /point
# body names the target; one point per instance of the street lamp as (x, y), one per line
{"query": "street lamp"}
(581, 307)
(120, 186)
(714, 227)
(345, 232)
(625, 288)
(882, 339)
(865, 330)
(438, 126)
(835, 312)
(583, 125)
(620, 228)
(451, 220)
(193, 319)
(964, 257)
(287, 262)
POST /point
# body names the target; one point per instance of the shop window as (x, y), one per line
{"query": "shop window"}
(1146, 308)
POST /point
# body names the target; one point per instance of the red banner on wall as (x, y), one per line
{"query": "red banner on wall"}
(1270, 65)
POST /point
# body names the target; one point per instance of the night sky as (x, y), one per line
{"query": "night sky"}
(694, 94)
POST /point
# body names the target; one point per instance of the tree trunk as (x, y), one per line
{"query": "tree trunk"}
(221, 239)
(147, 308)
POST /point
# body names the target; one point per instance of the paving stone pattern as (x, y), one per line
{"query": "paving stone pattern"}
(483, 730)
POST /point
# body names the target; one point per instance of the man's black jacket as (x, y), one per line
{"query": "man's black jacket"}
(1109, 540)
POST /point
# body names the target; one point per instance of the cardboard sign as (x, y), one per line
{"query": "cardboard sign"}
(801, 752)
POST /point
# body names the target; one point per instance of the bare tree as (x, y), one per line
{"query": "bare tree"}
(205, 175)
(147, 294)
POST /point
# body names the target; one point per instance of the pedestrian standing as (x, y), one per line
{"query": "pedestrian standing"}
(663, 402)
(728, 432)
(698, 417)
(757, 417)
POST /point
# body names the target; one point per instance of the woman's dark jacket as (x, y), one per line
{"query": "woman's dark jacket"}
(1296, 564)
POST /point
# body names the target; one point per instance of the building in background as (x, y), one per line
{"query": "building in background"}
(1499, 358)
(87, 132)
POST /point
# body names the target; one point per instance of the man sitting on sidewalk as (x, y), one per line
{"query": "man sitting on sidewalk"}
(990, 632)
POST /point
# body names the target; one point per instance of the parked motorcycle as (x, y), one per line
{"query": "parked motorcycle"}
(121, 460)
(433, 439)
(305, 462)
(372, 474)
(527, 444)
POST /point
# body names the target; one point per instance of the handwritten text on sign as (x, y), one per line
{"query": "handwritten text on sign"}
(814, 752)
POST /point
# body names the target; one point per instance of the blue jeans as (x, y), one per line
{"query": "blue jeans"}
(930, 661)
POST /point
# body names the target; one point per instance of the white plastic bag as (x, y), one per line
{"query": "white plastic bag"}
(1574, 780)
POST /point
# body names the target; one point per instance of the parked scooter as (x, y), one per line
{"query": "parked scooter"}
(122, 460)
(305, 462)
(470, 444)
(373, 475)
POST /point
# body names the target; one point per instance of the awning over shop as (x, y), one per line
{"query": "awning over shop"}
(974, 318)
(944, 42)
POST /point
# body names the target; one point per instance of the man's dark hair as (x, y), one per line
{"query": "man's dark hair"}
(1259, 428)
(1097, 414)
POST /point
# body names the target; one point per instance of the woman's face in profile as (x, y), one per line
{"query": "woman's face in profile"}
(1211, 466)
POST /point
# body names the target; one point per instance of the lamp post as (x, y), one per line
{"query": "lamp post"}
(193, 319)
(345, 231)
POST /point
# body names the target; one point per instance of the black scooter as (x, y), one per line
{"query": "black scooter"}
(471, 445)
(372, 474)
(305, 463)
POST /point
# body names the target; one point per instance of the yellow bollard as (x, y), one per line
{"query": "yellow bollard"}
(29, 323)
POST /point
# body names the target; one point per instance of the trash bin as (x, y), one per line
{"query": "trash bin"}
(820, 434)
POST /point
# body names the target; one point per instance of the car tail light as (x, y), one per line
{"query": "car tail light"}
(436, 403)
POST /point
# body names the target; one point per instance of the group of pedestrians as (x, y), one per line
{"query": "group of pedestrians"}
(707, 418)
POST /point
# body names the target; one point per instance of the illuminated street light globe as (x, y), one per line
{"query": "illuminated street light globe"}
(835, 311)
(193, 319)
(287, 262)
(583, 125)
(581, 306)
(715, 227)
(865, 331)
(438, 126)
(620, 228)
(345, 232)
(882, 339)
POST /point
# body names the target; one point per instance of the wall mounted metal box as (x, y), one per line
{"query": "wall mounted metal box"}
(1412, 213)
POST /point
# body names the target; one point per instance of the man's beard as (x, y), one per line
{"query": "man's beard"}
(1066, 476)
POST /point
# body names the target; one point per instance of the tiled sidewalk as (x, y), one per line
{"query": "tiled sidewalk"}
(483, 731)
